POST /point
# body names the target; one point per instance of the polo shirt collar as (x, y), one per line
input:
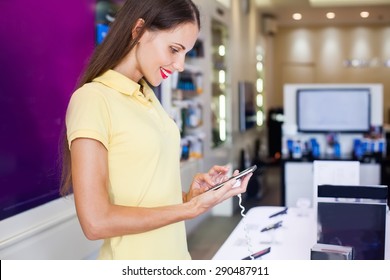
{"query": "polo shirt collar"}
(121, 83)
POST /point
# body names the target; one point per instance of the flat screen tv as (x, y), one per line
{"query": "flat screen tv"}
(361, 226)
(247, 105)
(344, 110)
(353, 216)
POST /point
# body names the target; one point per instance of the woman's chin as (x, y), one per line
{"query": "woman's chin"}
(154, 83)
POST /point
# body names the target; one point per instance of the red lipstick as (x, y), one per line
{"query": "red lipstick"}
(165, 72)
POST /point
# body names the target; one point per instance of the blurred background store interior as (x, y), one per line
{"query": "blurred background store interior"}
(230, 105)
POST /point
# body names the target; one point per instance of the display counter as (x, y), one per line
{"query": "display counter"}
(291, 241)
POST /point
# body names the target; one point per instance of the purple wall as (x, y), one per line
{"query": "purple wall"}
(44, 47)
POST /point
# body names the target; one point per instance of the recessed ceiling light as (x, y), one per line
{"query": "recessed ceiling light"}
(364, 14)
(297, 16)
(330, 15)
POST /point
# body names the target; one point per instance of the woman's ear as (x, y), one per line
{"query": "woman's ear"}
(137, 28)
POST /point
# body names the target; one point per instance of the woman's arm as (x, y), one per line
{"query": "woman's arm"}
(99, 218)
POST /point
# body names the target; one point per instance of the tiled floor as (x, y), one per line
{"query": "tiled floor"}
(205, 241)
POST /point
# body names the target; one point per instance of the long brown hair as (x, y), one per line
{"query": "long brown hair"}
(157, 15)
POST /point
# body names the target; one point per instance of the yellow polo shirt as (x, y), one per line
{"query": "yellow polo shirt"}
(143, 145)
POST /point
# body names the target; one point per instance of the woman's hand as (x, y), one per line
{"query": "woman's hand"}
(203, 200)
(204, 181)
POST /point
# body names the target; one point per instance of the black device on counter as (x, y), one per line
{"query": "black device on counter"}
(273, 226)
(258, 254)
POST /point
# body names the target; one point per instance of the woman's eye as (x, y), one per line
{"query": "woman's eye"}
(174, 50)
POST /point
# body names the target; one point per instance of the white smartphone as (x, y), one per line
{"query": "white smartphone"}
(239, 175)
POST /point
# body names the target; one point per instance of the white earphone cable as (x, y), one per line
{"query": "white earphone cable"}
(247, 237)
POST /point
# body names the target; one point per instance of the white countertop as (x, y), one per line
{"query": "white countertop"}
(292, 241)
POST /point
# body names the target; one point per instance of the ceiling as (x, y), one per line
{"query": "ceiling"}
(313, 11)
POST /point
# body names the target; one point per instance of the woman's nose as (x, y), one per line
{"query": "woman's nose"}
(179, 63)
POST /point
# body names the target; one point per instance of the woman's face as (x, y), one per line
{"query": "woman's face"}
(160, 53)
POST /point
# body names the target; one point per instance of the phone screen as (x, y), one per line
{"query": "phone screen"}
(239, 175)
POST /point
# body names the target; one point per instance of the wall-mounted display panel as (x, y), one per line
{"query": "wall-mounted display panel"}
(333, 110)
(247, 105)
(43, 51)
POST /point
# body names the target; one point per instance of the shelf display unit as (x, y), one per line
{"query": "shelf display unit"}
(185, 103)
(219, 34)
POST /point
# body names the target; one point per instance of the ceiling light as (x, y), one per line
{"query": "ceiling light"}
(364, 14)
(297, 16)
(323, 3)
(330, 15)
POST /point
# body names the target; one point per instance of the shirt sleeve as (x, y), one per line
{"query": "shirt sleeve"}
(88, 116)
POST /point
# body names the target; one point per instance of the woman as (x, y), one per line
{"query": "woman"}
(123, 164)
